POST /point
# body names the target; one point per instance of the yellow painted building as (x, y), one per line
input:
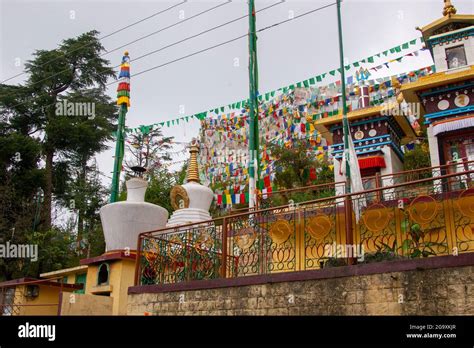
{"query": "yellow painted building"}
(106, 276)
(29, 296)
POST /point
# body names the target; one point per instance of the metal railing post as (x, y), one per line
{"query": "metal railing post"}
(138, 259)
(224, 249)
(348, 220)
(378, 185)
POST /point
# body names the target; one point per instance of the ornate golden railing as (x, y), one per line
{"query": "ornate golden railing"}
(425, 217)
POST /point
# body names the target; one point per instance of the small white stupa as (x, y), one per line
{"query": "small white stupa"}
(122, 222)
(192, 200)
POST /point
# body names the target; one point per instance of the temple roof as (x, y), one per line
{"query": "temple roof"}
(435, 80)
(449, 20)
(322, 125)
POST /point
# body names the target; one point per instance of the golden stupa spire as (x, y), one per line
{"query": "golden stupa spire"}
(449, 9)
(193, 171)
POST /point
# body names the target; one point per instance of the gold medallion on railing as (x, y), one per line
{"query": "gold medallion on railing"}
(280, 231)
(152, 253)
(203, 243)
(376, 217)
(319, 226)
(423, 210)
(245, 239)
(174, 247)
(465, 203)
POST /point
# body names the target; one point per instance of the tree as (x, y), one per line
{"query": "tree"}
(36, 127)
(73, 67)
(418, 157)
(147, 149)
(77, 183)
(298, 167)
(294, 162)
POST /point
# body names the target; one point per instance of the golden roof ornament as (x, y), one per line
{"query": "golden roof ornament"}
(193, 170)
(449, 9)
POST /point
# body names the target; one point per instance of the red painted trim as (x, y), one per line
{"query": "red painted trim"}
(110, 256)
(372, 162)
(466, 259)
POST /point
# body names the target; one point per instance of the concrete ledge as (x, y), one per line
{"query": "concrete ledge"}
(466, 259)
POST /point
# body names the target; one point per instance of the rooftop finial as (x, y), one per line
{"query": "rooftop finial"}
(193, 171)
(449, 9)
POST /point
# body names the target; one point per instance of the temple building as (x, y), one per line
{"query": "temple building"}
(378, 135)
(447, 97)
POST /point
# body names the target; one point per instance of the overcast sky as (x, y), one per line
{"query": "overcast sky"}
(287, 53)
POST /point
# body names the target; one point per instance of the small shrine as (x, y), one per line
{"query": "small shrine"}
(192, 200)
(447, 97)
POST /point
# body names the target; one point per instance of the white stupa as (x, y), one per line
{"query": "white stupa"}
(192, 200)
(122, 222)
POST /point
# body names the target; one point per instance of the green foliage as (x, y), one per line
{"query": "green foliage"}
(55, 152)
(334, 262)
(384, 252)
(149, 150)
(294, 162)
(417, 158)
(159, 189)
(55, 251)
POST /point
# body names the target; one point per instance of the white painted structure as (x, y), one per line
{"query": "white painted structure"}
(122, 222)
(200, 200)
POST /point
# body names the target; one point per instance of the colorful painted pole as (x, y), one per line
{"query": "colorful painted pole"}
(254, 162)
(123, 99)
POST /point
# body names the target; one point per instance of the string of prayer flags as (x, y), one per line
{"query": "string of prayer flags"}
(243, 104)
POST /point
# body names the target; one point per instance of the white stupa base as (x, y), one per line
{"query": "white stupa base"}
(188, 216)
(122, 222)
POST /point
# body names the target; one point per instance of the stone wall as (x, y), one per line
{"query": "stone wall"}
(82, 304)
(427, 291)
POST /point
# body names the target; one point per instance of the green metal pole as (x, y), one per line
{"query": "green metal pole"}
(254, 163)
(346, 130)
(119, 149)
(345, 121)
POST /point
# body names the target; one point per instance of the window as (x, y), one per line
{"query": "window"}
(456, 57)
(7, 299)
(103, 275)
(81, 279)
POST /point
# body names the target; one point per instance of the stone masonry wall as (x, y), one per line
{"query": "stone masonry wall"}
(442, 291)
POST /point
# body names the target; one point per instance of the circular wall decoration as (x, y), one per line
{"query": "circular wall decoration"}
(203, 243)
(359, 135)
(443, 104)
(423, 209)
(461, 100)
(372, 132)
(174, 247)
(319, 226)
(150, 255)
(179, 198)
(245, 241)
(376, 217)
(465, 203)
(280, 231)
